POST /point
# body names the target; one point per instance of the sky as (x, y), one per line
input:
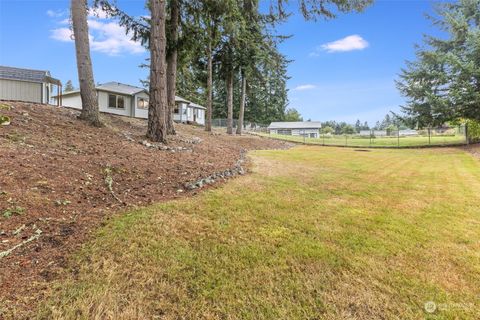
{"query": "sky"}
(342, 69)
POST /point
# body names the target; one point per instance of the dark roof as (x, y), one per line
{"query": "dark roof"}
(27, 75)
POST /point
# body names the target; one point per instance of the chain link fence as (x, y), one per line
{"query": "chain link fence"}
(441, 136)
(247, 125)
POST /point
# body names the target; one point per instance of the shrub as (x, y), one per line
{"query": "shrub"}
(473, 130)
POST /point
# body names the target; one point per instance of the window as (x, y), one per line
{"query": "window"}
(112, 101)
(120, 102)
(117, 102)
(287, 132)
(142, 103)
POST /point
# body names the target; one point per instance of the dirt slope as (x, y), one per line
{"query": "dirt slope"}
(55, 179)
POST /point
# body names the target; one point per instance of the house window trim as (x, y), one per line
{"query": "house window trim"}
(116, 101)
(144, 101)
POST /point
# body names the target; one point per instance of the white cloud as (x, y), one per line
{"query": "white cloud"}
(350, 43)
(304, 87)
(62, 34)
(55, 13)
(65, 21)
(110, 38)
(106, 36)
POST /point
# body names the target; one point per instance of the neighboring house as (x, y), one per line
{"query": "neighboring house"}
(197, 113)
(187, 111)
(126, 100)
(28, 85)
(310, 129)
(375, 133)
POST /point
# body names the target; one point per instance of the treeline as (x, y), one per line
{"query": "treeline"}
(219, 53)
(443, 84)
(389, 122)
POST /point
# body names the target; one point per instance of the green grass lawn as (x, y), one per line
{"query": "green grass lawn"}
(341, 140)
(311, 233)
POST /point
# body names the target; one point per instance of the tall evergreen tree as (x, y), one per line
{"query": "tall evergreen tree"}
(88, 93)
(172, 56)
(443, 84)
(157, 108)
(68, 86)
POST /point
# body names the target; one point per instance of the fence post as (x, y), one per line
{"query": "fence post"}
(467, 140)
(304, 136)
(398, 137)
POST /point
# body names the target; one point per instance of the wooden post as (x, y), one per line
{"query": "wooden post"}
(467, 140)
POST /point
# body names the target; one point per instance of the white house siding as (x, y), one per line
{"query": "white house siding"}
(140, 113)
(72, 101)
(75, 101)
(103, 104)
(200, 118)
(182, 115)
(20, 90)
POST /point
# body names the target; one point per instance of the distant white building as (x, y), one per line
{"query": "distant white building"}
(131, 101)
(384, 133)
(408, 132)
(310, 129)
(375, 133)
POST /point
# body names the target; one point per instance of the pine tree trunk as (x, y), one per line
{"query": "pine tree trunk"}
(229, 82)
(157, 127)
(172, 64)
(242, 102)
(208, 122)
(84, 63)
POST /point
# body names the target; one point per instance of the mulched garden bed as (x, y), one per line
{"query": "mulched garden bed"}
(60, 179)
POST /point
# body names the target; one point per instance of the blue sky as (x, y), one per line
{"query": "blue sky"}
(342, 69)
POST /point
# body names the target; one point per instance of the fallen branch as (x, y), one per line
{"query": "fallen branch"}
(109, 183)
(37, 234)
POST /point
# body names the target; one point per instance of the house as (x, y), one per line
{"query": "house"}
(188, 112)
(309, 129)
(28, 85)
(131, 101)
